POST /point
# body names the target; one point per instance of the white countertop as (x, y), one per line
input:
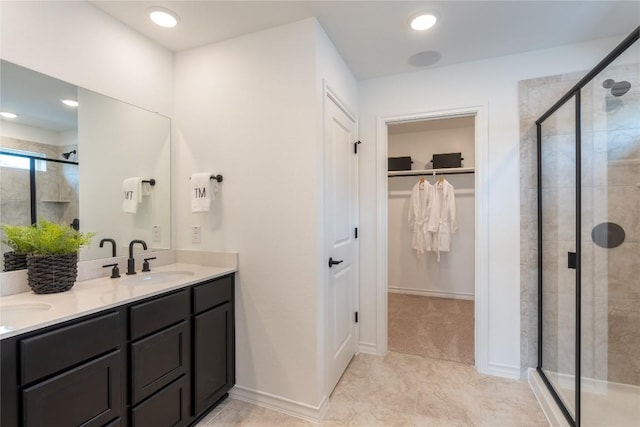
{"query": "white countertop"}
(27, 311)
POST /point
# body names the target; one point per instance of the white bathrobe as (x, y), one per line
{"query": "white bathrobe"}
(442, 221)
(422, 195)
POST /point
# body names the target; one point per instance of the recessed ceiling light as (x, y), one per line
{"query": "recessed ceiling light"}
(163, 17)
(69, 102)
(423, 21)
(8, 115)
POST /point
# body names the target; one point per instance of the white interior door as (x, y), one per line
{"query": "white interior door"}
(341, 197)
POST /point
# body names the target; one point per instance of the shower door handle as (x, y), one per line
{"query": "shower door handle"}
(572, 260)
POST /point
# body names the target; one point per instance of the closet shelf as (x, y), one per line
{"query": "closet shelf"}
(444, 171)
(55, 201)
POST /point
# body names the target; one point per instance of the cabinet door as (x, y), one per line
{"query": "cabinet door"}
(89, 395)
(214, 358)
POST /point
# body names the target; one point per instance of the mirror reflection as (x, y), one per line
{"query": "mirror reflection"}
(67, 163)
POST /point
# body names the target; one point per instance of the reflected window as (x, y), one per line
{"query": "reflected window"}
(17, 159)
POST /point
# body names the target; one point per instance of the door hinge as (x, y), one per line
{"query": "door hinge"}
(355, 146)
(356, 317)
(356, 232)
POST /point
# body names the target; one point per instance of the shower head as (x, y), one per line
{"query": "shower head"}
(67, 155)
(617, 88)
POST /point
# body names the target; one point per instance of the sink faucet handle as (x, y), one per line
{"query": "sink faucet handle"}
(145, 264)
(115, 271)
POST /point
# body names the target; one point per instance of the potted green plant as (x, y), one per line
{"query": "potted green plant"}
(52, 258)
(16, 237)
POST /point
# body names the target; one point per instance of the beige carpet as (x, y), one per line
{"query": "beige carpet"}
(440, 328)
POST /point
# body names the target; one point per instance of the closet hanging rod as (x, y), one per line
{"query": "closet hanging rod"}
(432, 172)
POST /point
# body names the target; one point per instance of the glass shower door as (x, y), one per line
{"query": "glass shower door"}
(610, 333)
(558, 247)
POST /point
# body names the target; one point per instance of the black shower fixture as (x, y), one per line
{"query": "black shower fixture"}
(67, 155)
(617, 88)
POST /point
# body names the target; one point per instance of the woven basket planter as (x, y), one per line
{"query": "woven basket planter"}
(49, 274)
(14, 261)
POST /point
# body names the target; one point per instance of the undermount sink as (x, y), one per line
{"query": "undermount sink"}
(9, 313)
(156, 277)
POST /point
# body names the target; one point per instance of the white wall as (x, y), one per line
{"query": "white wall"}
(78, 43)
(249, 109)
(494, 83)
(453, 276)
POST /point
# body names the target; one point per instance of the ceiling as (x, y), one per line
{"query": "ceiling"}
(374, 37)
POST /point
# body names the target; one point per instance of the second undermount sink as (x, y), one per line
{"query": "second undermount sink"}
(156, 277)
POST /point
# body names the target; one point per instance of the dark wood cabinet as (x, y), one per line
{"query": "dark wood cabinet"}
(163, 361)
(213, 343)
(89, 395)
(214, 365)
(158, 360)
(167, 408)
(66, 375)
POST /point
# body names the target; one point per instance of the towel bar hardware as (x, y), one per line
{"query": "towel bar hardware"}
(216, 177)
(151, 181)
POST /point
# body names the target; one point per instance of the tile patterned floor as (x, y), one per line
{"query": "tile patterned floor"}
(405, 390)
(440, 328)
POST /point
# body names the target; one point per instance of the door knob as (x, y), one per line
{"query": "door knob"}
(332, 262)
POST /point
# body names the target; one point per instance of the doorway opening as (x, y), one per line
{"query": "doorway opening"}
(431, 232)
(430, 307)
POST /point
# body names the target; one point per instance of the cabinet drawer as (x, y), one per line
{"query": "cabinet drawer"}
(62, 348)
(212, 293)
(157, 314)
(167, 408)
(89, 395)
(158, 360)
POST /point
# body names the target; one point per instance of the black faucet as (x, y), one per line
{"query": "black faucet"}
(131, 262)
(113, 245)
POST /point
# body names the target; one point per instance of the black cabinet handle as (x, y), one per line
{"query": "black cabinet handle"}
(332, 262)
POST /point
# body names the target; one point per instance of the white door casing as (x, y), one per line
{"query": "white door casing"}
(341, 215)
(481, 227)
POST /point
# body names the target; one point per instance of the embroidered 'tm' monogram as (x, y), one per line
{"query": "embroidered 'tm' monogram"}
(128, 195)
(201, 193)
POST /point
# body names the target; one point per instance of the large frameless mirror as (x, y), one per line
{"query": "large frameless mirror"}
(66, 163)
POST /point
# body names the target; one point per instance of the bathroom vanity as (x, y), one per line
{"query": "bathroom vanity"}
(148, 350)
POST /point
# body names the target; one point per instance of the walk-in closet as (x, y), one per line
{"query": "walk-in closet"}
(431, 235)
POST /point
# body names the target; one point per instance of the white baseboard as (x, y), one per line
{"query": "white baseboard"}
(368, 348)
(431, 293)
(505, 371)
(281, 404)
(545, 400)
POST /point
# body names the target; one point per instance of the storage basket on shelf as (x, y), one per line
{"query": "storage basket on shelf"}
(399, 163)
(447, 160)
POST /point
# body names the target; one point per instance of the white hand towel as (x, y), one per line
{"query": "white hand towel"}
(201, 192)
(132, 189)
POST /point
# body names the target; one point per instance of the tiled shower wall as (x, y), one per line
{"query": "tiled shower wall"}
(610, 193)
(56, 189)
